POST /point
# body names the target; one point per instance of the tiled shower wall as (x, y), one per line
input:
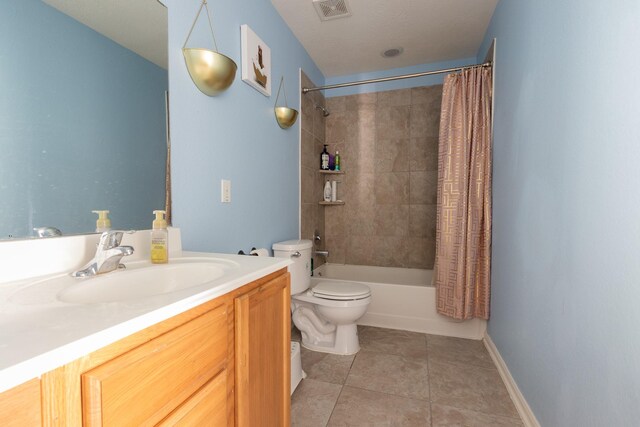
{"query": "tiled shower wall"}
(388, 143)
(313, 137)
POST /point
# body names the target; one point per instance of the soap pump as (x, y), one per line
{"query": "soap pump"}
(159, 239)
(103, 223)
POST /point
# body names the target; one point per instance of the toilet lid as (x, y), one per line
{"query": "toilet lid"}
(340, 290)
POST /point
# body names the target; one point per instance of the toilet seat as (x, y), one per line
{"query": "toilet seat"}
(328, 302)
(340, 291)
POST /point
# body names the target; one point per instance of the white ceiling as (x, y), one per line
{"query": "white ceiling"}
(138, 25)
(428, 30)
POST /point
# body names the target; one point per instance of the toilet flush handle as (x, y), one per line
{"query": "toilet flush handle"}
(296, 254)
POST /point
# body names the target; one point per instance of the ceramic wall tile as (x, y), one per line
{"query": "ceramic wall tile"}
(424, 187)
(392, 220)
(362, 101)
(388, 143)
(431, 95)
(392, 155)
(423, 154)
(393, 122)
(394, 98)
(392, 188)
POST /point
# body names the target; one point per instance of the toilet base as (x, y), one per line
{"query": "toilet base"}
(345, 341)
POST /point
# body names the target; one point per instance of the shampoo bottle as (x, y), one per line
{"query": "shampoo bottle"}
(159, 239)
(103, 223)
(324, 159)
(337, 161)
(327, 192)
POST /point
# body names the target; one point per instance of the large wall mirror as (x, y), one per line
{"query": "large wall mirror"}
(82, 114)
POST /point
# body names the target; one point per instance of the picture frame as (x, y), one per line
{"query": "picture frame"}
(256, 61)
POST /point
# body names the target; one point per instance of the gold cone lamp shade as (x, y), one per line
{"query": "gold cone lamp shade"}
(285, 116)
(212, 72)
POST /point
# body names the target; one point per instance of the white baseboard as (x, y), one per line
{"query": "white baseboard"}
(526, 414)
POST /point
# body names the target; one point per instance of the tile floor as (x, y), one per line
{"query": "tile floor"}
(402, 378)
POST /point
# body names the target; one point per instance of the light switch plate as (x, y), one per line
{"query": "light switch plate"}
(225, 193)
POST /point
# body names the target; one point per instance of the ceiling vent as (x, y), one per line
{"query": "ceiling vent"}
(331, 9)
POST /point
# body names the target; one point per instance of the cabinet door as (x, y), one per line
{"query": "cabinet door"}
(206, 408)
(20, 406)
(143, 386)
(262, 327)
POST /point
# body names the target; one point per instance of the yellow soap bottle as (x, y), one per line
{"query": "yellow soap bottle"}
(103, 223)
(159, 239)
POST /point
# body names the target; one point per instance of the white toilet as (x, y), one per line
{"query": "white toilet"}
(325, 314)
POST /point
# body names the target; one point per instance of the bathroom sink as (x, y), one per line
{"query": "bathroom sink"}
(139, 280)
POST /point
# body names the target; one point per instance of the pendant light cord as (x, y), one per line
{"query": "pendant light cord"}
(204, 4)
(284, 91)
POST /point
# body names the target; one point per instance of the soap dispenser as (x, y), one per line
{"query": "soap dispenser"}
(159, 239)
(103, 223)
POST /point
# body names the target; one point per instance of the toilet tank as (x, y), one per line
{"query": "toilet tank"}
(301, 268)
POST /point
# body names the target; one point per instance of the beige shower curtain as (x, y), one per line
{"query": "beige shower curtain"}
(463, 231)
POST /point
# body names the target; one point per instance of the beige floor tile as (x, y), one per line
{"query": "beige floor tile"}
(357, 407)
(330, 368)
(473, 388)
(391, 341)
(313, 402)
(391, 374)
(458, 350)
(447, 416)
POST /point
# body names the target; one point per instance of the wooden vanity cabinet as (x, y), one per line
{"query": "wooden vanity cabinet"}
(223, 363)
(20, 406)
(263, 355)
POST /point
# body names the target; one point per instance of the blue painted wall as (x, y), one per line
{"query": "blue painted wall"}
(82, 125)
(566, 225)
(234, 135)
(396, 84)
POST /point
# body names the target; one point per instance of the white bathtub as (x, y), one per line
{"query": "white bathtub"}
(401, 298)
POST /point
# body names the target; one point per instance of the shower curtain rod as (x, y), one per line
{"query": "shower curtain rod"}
(388, 79)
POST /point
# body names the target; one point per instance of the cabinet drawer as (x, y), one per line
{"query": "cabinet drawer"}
(144, 385)
(206, 408)
(20, 406)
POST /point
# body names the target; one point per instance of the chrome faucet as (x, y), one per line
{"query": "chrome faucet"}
(322, 253)
(47, 232)
(108, 255)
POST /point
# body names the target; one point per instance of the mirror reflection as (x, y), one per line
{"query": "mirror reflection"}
(82, 117)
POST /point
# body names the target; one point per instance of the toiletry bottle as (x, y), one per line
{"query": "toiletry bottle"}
(327, 192)
(324, 159)
(159, 239)
(103, 223)
(334, 191)
(337, 161)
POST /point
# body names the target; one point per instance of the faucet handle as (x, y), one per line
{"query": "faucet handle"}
(112, 238)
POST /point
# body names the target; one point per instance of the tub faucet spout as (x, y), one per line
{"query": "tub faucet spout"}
(322, 253)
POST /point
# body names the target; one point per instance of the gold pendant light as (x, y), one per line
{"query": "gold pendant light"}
(211, 71)
(285, 116)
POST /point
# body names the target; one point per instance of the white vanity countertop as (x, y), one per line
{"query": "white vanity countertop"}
(40, 333)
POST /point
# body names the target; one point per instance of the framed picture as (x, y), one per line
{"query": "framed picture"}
(256, 61)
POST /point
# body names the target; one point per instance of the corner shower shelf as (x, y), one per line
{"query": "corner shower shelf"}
(331, 172)
(336, 203)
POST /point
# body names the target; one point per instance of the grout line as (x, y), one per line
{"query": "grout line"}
(426, 341)
(334, 406)
(387, 393)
